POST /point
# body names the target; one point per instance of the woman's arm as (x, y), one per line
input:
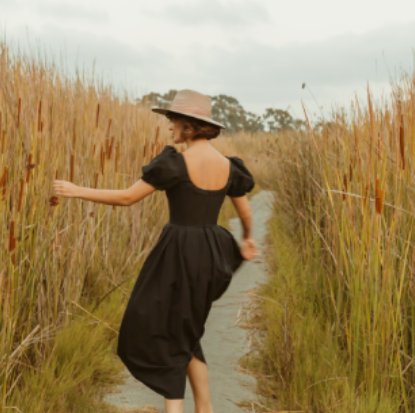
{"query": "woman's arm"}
(243, 209)
(249, 249)
(122, 197)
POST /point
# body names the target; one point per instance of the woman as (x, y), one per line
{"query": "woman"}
(194, 258)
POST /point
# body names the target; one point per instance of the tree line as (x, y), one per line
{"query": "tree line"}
(228, 111)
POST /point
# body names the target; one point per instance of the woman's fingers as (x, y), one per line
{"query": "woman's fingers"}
(249, 249)
(64, 188)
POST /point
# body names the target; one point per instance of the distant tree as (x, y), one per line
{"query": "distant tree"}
(228, 111)
(278, 120)
(156, 99)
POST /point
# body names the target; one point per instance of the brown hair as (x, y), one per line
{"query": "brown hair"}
(194, 128)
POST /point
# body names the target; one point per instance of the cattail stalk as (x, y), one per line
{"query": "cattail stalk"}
(20, 195)
(72, 166)
(108, 129)
(102, 161)
(382, 195)
(96, 180)
(39, 117)
(18, 111)
(12, 241)
(97, 117)
(344, 186)
(28, 168)
(377, 196)
(117, 154)
(111, 145)
(366, 194)
(73, 133)
(402, 141)
(3, 181)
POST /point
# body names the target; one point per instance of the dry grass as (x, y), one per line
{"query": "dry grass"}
(335, 326)
(64, 260)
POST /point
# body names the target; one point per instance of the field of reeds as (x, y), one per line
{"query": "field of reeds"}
(67, 266)
(333, 330)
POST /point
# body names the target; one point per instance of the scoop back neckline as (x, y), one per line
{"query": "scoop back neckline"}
(191, 182)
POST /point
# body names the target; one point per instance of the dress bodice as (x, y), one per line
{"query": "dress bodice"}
(190, 205)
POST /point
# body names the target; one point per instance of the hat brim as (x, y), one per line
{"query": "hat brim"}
(162, 111)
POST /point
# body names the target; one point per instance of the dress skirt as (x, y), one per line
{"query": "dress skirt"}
(187, 270)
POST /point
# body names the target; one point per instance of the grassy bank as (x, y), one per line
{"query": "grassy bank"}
(335, 329)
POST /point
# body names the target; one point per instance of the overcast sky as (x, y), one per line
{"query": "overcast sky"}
(258, 51)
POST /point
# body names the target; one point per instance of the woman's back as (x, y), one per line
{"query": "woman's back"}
(196, 184)
(207, 168)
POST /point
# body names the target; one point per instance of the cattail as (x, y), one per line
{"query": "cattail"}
(157, 133)
(3, 181)
(107, 147)
(144, 150)
(97, 116)
(53, 201)
(93, 151)
(1, 119)
(73, 133)
(102, 161)
(29, 167)
(117, 154)
(56, 174)
(110, 148)
(108, 129)
(20, 195)
(2, 141)
(18, 111)
(401, 142)
(41, 126)
(377, 196)
(96, 180)
(11, 235)
(366, 194)
(351, 171)
(39, 116)
(72, 166)
(344, 186)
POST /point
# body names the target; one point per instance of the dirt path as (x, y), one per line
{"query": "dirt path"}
(224, 342)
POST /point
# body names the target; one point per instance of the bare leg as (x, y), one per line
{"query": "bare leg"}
(198, 376)
(173, 406)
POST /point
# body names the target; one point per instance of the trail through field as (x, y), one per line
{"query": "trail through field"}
(224, 341)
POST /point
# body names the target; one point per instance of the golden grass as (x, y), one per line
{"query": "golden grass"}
(67, 266)
(336, 326)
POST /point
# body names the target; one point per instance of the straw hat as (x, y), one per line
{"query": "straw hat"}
(191, 103)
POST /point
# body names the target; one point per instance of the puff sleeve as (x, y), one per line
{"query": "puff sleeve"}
(242, 179)
(163, 171)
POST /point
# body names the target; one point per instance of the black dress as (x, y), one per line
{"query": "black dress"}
(190, 266)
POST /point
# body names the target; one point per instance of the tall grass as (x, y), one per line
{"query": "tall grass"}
(67, 266)
(339, 311)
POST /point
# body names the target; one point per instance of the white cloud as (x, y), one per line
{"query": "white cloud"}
(69, 11)
(213, 12)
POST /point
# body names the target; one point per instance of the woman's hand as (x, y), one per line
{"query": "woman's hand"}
(248, 249)
(65, 188)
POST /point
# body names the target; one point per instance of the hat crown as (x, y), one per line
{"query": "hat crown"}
(192, 102)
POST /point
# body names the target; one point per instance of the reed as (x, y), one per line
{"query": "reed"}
(342, 285)
(59, 256)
